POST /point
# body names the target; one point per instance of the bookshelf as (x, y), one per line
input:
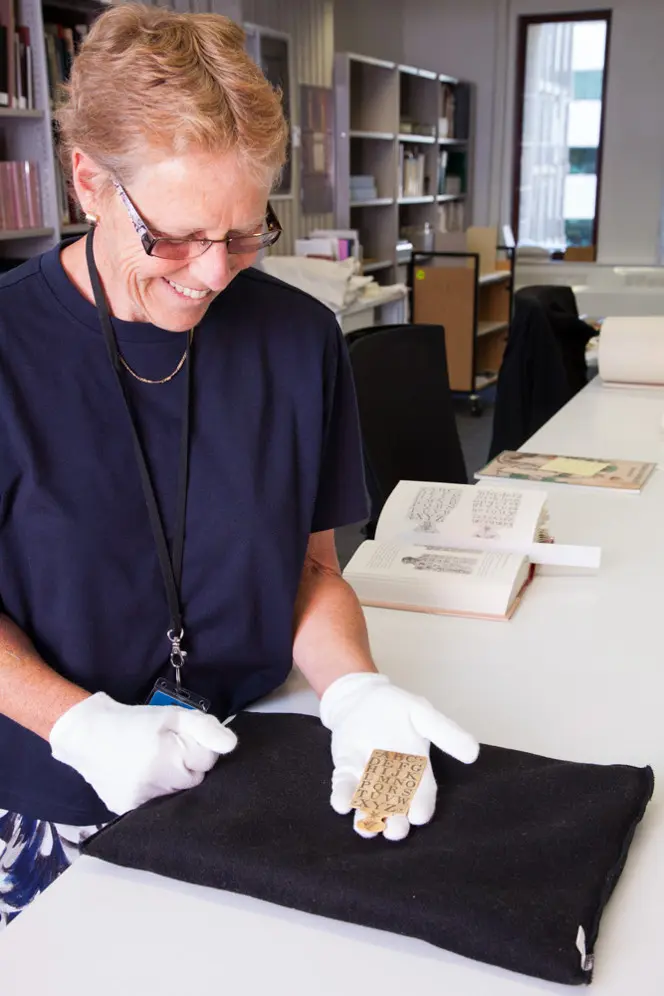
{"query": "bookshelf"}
(14, 234)
(403, 148)
(26, 133)
(468, 288)
(14, 114)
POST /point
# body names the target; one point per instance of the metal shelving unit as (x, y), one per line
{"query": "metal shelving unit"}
(385, 112)
(9, 113)
(472, 297)
(27, 135)
(15, 234)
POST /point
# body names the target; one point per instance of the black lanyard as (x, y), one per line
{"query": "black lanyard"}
(171, 565)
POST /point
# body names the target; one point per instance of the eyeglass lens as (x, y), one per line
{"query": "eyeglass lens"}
(188, 249)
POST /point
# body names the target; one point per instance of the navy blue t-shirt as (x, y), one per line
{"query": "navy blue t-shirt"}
(275, 455)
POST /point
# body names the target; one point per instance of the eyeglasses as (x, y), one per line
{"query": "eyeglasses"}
(165, 248)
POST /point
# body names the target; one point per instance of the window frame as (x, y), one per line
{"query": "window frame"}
(523, 23)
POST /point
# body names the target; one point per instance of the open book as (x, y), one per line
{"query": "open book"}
(451, 548)
(450, 582)
(460, 549)
(631, 351)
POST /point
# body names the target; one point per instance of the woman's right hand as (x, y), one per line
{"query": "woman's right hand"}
(130, 754)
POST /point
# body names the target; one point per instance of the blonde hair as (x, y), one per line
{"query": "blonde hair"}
(149, 80)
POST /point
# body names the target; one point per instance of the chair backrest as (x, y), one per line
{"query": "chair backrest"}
(406, 410)
(572, 333)
(552, 297)
(532, 383)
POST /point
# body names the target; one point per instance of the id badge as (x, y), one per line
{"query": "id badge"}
(166, 693)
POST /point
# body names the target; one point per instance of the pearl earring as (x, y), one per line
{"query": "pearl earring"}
(92, 219)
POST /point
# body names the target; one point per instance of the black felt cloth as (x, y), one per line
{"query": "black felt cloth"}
(532, 382)
(521, 852)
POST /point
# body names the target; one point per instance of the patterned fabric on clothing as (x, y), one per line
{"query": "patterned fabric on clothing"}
(33, 853)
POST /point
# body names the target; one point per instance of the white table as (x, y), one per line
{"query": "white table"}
(578, 673)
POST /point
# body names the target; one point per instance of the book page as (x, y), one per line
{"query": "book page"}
(439, 578)
(413, 504)
(400, 561)
(448, 515)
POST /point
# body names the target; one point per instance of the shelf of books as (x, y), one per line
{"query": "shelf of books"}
(37, 44)
(403, 144)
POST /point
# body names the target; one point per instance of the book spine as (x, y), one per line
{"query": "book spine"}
(11, 221)
(462, 110)
(4, 66)
(4, 220)
(7, 21)
(19, 195)
(52, 61)
(21, 102)
(69, 49)
(25, 66)
(30, 77)
(31, 179)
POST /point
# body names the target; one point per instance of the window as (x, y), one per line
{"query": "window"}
(559, 126)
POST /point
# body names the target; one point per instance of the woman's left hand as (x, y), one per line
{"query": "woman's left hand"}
(366, 712)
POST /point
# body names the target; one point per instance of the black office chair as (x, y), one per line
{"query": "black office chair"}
(553, 297)
(406, 412)
(532, 383)
(571, 332)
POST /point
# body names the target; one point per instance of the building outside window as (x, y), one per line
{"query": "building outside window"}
(560, 107)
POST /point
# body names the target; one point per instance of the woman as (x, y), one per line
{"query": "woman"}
(178, 442)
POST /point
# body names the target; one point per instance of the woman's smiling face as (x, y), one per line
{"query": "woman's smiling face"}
(195, 195)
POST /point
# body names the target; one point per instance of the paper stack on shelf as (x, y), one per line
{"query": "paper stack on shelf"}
(363, 188)
(318, 248)
(348, 240)
(410, 126)
(336, 284)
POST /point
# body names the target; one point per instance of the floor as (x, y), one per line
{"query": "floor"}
(475, 434)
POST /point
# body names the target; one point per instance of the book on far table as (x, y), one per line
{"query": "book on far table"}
(618, 475)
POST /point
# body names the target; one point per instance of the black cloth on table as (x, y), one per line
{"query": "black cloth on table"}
(571, 332)
(532, 383)
(521, 852)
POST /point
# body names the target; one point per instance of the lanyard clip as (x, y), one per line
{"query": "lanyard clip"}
(178, 655)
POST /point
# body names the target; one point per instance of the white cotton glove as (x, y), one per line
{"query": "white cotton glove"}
(130, 754)
(366, 712)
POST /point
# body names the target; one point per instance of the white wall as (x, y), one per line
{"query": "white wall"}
(460, 39)
(370, 27)
(477, 40)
